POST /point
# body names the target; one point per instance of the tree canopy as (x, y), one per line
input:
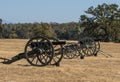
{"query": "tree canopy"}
(103, 16)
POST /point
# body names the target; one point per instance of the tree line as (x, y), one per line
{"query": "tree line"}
(105, 17)
(28, 30)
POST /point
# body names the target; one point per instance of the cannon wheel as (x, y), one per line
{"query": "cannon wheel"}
(88, 46)
(70, 51)
(97, 43)
(102, 34)
(58, 52)
(41, 54)
(80, 51)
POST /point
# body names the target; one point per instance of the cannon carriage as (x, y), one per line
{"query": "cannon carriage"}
(40, 51)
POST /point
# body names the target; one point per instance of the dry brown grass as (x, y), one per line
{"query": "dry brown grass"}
(91, 69)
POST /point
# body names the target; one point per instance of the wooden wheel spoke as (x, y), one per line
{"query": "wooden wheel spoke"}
(37, 60)
(33, 58)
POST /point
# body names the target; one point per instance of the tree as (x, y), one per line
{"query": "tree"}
(0, 21)
(47, 30)
(103, 16)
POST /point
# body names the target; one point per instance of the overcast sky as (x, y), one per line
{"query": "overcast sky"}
(61, 11)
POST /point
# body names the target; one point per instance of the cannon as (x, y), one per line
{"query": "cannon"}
(72, 50)
(86, 46)
(40, 51)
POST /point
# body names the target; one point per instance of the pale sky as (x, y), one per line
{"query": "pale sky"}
(61, 11)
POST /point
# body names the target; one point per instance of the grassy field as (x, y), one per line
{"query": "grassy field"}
(91, 69)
